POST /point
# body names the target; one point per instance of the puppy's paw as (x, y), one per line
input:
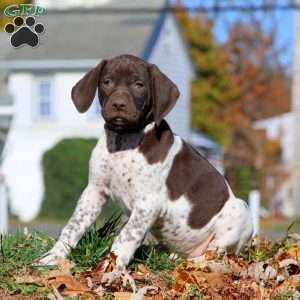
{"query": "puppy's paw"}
(118, 275)
(50, 259)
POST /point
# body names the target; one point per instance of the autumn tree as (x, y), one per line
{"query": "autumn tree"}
(237, 83)
(254, 65)
(263, 91)
(213, 88)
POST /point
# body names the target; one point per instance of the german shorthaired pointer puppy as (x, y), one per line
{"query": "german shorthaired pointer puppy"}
(163, 184)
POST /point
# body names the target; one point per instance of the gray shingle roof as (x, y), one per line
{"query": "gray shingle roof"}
(91, 34)
(4, 45)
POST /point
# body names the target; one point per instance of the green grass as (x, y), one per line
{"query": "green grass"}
(193, 291)
(17, 252)
(263, 250)
(155, 257)
(96, 243)
(284, 295)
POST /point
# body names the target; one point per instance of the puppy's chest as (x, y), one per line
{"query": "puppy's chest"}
(130, 176)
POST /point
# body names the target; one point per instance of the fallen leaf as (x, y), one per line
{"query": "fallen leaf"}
(215, 279)
(68, 285)
(122, 295)
(260, 271)
(294, 236)
(294, 252)
(27, 278)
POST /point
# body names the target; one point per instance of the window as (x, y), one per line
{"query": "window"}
(44, 107)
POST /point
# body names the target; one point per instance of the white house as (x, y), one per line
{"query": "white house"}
(281, 127)
(40, 80)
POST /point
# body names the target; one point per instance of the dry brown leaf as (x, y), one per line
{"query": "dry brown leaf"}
(291, 283)
(27, 278)
(215, 279)
(294, 252)
(260, 271)
(219, 267)
(68, 285)
(122, 295)
(294, 236)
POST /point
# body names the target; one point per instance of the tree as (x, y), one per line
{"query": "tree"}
(255, 67)
(237, 83)
(213, 87)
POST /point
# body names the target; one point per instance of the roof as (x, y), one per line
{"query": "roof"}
(201, 140)
(5, 46)
(81, 34)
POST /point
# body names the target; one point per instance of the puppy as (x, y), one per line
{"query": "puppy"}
(161, 182)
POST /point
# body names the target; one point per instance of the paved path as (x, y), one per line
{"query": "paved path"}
(49, 229)
(55, 229)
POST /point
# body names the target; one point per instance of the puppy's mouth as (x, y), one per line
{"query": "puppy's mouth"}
(119, 121)
(119, 124)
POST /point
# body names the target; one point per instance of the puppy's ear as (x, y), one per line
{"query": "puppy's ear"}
(84, 90)
(164, 94)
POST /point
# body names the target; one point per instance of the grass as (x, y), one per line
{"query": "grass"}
(17, 252)
(284, 295)
(193, 291)
(96, 243)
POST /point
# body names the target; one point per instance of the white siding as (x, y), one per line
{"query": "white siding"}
(30, 137)
(281, 128)
(171, 57)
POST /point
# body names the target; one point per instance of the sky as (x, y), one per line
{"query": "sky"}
(285, 23)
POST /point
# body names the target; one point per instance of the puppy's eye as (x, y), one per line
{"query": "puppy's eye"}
(139, 84)
(107, 82)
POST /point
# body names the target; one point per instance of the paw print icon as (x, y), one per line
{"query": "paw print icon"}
(24, 31)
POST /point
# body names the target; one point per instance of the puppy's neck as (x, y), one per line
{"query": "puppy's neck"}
(125, 141)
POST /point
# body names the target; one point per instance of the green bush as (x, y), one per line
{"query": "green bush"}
(244, 179)
(65, 169)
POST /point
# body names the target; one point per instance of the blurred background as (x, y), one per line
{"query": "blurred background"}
(236, 63)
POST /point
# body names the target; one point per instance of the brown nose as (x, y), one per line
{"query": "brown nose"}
(119, 104)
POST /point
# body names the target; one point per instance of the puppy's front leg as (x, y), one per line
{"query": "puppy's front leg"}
(88, 208)
(131, 236)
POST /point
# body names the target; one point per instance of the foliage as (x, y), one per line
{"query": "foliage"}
(212, 89)
(255, 67)
(18, 252)
(243, 182)
(263, 268)
(238, 82)
(65, 168)
(96, 243)
(155, 257)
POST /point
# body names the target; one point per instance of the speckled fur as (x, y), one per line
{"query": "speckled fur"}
(118, 169)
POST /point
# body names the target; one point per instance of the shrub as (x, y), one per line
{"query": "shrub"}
(65, 169)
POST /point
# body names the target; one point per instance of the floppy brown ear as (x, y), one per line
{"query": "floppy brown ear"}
(164, 94)
(84, 90)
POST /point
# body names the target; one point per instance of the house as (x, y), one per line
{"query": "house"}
(280, 128)
(40, 80)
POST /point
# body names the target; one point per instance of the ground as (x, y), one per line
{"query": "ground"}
(264, 270)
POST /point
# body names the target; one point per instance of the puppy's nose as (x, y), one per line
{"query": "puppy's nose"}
(119, 104)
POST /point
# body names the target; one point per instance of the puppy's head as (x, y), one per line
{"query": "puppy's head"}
(131, 92)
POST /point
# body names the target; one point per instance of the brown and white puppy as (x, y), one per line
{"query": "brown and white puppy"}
(163, 184)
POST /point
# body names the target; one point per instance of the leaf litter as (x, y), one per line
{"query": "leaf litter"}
(264, 270)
